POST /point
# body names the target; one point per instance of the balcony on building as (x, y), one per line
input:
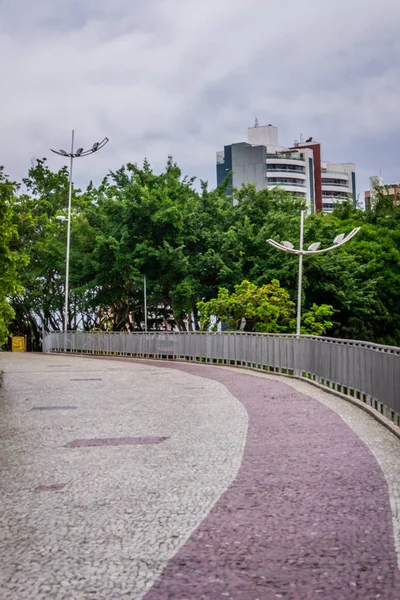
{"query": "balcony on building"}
(336, 187)
(292, 186)
(298, 169)
(286, 159)
(331, 196)
(276, 179)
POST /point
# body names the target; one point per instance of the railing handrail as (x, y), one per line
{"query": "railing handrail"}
(349, 342)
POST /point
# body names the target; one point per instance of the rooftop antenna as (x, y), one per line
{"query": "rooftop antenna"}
(256, 121)
(301, 138)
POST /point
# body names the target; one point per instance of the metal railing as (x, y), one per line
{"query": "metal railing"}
(276, 181)
(284, 157)
(325, 196)
(325, 182)
(328, 171)
(362, 370)
(277, 168)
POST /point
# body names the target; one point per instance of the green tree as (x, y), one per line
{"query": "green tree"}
(190, 244)
(267, 308)
(11, 260)
(39, 302)
(161, 227)
(316, 320)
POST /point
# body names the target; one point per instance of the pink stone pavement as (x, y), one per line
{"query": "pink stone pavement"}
(307, 517)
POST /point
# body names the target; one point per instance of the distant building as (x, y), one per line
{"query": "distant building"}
(338, 183)
(299, 169)
(377, 183)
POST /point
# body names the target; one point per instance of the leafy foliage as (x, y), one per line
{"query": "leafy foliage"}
(316, 321)
(10, 260)
(268, 309)
(199, 250)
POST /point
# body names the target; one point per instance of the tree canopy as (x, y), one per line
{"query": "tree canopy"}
(11, 260)
(267, 309)
(201, 252)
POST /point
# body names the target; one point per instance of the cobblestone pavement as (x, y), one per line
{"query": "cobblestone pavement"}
(303, 507)
(124, 510)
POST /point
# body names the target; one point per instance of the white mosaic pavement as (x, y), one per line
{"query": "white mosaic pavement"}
(124, 511)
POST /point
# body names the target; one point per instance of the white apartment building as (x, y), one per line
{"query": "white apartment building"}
(338, 183)
(299, 169)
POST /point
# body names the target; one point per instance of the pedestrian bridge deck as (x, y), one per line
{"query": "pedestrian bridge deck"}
(137, 479)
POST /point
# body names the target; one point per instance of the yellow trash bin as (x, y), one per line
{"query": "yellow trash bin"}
(18, 343)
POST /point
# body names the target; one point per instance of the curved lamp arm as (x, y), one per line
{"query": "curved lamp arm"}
(80, 152)
(298, 252)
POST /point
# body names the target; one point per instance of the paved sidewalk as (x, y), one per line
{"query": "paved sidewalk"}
(134, 479)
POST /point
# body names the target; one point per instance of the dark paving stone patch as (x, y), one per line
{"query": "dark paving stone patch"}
(88, 379)
(308, 516)
(124, 441)
(193, 388)
(50, 488)
(54, 407)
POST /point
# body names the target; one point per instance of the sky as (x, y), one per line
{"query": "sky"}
(186, 77)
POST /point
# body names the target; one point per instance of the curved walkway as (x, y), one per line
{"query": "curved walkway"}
(224, 484)
(308, 515)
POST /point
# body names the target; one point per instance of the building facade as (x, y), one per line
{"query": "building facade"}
(298, 169)
(377, 184)
(338, 184)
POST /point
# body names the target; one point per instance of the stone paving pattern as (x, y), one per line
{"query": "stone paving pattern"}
(308, 515)
(304, 507)
(124, 510)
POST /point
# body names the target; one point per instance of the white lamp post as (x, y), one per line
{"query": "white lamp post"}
(78, 154)
(313, 249)
(145, 302)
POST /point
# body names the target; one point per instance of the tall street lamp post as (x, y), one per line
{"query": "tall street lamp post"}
(71, 155)
(313, 249)
(145, 302)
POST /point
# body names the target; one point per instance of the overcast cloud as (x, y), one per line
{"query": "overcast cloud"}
(185, 77)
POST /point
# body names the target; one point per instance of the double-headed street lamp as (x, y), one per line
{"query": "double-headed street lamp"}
(313, 249)
(80, 152)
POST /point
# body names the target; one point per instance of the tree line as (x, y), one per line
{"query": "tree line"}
(203, 253)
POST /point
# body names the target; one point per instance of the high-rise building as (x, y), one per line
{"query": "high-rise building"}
(298, 169)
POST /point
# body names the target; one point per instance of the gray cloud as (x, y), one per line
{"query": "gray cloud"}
(185, 77)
